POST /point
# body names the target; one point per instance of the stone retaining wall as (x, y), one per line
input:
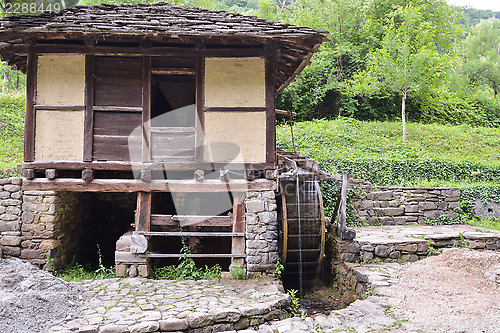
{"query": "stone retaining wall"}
(403, 205)
(10, 216)
(261, 232)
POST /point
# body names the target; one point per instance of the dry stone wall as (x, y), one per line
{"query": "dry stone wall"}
(404, 205)
(261, 232)
(10, 216)
(35, 225)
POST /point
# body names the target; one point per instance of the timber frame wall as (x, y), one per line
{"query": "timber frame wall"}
(31, 169)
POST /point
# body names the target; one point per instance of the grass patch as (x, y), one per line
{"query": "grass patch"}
(434, 155)
(490, 223)
(11, 133)
(186, 270)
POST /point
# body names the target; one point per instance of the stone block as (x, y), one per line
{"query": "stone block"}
(422, 247)
(403, 220)
(138, 244)
(368, 247)
(145, 327)
(16, 180)
(9, 226)
(199, 319)
(411, 209)
(12, 210)
(4, 195)
(393, 211)
(386, 220)
(409, 257)
(143, 270)
(394, 254)
(12, 188)
(366, 256)
(121, 270)
(477, 244)
(348, 246)
(16, 195)
(255, 206)
(11, 240)
(381, 251)
(11, 202)
(225, 315)
(8, 217)
(27, 217)
(427, 205)
(10, 251)
(382, 195)
(47, 218)
(127, 257)
(432, 214)
(268, 217)
(173, 324)
(407, 247)
(114, 328)
(32, 254)
(366, 204)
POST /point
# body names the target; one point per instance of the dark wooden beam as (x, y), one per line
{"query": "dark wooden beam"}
(88, 127)
(200, 101)
(29, 121)
(120, 185)
(191, 220)
(118, 108)
(128, 166)
(60, 107)
(99, 50)
(238, 242)
(234, 109)
(174, 71)
(270, 104)
(143, 212)
(146, 109)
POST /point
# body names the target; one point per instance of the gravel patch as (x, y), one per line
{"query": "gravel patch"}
(31, 300)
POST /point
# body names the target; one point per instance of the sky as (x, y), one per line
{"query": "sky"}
(478, 4)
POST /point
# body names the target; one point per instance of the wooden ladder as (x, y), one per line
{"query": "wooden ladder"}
(144, 220)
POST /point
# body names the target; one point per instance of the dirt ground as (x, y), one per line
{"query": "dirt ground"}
(457, 291)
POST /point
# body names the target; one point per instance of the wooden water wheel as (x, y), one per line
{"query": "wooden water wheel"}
(302, 227)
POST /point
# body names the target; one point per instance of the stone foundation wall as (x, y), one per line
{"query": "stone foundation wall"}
(10, 216)
(404, 205)
(51, 225)
(261, 232)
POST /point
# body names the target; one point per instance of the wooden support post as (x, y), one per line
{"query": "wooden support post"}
(50, 174)
(143, 212)
(238, 242)
(29, 122)
(87, 175)
(343, 204)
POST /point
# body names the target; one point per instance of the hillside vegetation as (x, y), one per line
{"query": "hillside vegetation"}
(11, 133)
(433, 155)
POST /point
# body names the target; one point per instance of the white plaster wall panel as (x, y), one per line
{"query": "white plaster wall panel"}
(235, 82)
(225, 131)
(60, 80)
(59, 135)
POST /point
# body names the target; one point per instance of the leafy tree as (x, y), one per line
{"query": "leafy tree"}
(410, 58)
(482, 54)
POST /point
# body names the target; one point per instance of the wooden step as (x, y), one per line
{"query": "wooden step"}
(190, 234)
(190, 220)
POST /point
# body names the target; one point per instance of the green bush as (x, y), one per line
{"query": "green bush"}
(11, 133)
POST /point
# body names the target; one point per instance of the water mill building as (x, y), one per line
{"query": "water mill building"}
(152, 127)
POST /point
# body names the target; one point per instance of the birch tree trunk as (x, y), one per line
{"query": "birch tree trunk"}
(403, 113)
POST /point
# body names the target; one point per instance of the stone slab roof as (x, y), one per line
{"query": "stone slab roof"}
(161, 22)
